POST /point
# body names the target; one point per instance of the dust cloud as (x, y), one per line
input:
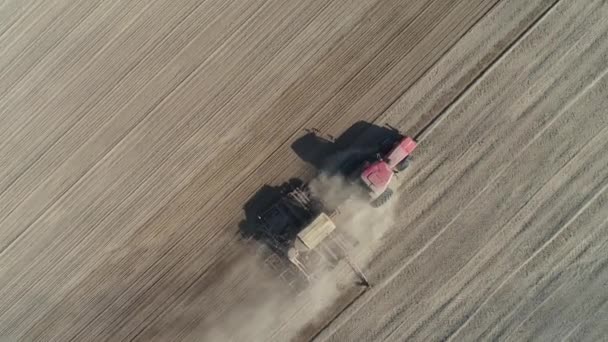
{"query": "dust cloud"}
(252, 319)
(266, 315)
(357, 220)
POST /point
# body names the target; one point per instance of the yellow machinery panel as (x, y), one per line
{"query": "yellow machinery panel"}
(317, 231)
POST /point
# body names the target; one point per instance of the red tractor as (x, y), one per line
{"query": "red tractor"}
(376, 175)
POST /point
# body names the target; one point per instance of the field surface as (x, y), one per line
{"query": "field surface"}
(135, 137)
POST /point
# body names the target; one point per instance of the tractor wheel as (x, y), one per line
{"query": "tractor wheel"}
(404, 163)
(383, 198)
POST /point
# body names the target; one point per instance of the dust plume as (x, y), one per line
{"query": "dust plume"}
(364, 225)
(251, 314)
(265, 312)
(270, 312)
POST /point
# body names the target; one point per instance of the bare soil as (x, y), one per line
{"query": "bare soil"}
(135, 135)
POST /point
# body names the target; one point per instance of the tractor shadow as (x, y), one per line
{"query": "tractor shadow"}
(321, 152)
(325, 154)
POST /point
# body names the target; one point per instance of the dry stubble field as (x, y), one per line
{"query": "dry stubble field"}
(132, 133)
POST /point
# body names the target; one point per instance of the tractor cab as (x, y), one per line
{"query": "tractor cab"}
(377, 176)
